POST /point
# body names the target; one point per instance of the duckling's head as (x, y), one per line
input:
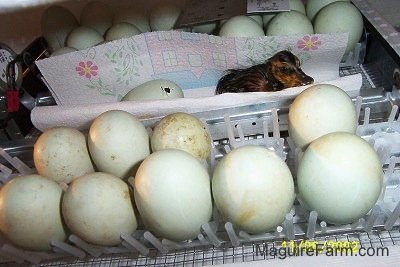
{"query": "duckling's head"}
(285, 67)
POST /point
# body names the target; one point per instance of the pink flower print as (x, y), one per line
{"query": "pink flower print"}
(308, 43)
(88, 70)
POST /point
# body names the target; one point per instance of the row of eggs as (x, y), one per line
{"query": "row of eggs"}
(339, 176)
(319, 17)
(97, 24)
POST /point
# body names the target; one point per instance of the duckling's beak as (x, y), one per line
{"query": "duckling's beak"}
(305, 79)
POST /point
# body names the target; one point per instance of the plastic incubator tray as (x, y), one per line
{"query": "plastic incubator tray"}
(220, 242)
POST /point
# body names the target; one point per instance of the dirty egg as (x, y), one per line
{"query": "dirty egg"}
(253, 189)
(98, 208)
(182, 131)
(118, 142)
(61, 153)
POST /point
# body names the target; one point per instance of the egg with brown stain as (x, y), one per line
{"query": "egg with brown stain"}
(253, 189)
(61, 154)
(98, 208)
(118, 142)
(182, 131)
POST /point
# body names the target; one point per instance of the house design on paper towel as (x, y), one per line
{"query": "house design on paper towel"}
(192, 60)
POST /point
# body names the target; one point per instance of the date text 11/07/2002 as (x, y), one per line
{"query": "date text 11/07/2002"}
(315, 248)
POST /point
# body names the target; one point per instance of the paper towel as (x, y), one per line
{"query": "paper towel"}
(105, 73)
(81, 116)
(88, 82)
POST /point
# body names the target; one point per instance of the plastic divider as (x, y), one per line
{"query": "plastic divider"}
(68, 249)
(85, 246)
(312, 222)
(289, 226)
(142, 249)
(369, 223)
(155, 242)
(232, 234)
(211, 234)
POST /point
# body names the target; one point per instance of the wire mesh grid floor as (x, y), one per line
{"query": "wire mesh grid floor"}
(226, 253)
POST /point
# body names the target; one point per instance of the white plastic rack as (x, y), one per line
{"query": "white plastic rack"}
(384, 136)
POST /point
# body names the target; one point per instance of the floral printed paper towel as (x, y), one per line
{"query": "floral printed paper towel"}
(105, 73)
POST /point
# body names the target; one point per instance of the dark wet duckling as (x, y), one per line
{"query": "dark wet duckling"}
(279, 72)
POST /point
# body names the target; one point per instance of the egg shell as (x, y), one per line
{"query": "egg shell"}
(241, 26)
(257, 18)
(83, 37)
(133, 15)
(297, 5)
(314, 6)
(61, 154)
(173, 194)
(97, 15)
(30, 214)
(56, 23)
(339, 177)
(340, 17)
(289, 23)
(208, 27)
(121, 30)
(118, 142)
(267, 17)
(182, 131)
(165, 16)
(62, 51)
(98, 208)
(293, 5)
(253, 188)
(154, 90)
(318, 110)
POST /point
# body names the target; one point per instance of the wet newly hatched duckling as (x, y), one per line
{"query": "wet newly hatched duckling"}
(279, 72)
